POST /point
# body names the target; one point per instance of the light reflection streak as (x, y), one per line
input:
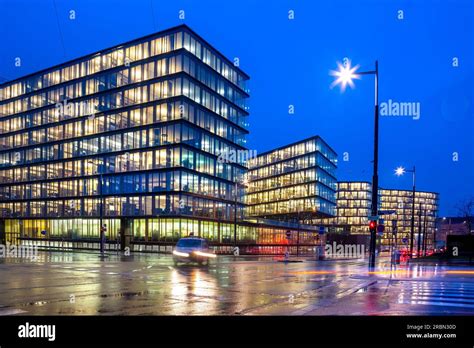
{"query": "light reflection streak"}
(459, 272)
(416, 272)
(314, 272)
(193, 290)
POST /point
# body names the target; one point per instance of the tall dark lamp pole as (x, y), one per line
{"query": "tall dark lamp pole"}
(101, 215)
(419, 233)
(235, 212)
(345, 76)
(375, 177)
(102, 228)
(400, 171)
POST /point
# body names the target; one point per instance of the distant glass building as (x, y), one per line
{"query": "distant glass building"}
(395, 207)
(426, 212)
(293, 182)
(353, 206)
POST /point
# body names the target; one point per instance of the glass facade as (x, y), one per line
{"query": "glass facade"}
(426, 212)
(353, 207)
(293, 180)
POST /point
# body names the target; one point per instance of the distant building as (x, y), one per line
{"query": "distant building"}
(395, 207)
(353, 207)
(401, 201)
(456, 226)
(293, 182)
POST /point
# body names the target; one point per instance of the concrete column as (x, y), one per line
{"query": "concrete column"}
(2, 232)
(125, 233)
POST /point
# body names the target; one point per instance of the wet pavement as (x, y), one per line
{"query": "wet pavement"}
(82, 283)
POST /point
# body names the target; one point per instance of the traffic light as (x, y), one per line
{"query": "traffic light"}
(372, 225)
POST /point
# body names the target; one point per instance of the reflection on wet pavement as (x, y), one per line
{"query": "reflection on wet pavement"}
(149, 284)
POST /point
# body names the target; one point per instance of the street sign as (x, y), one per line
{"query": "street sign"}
(372, 217)
(380, 228)
(381, 221)
(405, 240)
(321, 229)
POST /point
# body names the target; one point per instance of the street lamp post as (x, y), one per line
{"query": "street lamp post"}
(401, 205)
(235, 213)
(400, 171)
(345, 76)
(298, 231)
(418, 249)
(291, 205)
(298, 212)
(101, 215)
(425, 233)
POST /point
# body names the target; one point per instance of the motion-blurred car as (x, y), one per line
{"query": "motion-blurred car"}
(192, 249)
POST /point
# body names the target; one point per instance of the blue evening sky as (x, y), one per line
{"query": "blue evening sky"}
(289, 63)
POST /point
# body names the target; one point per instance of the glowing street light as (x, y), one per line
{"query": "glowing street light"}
(345, 75)
(399, 171)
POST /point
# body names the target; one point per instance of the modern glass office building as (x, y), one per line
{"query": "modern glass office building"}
(293, 182)
(130, 138)
(353, 207)
(426, 212)
(129, 135)
(395, 206)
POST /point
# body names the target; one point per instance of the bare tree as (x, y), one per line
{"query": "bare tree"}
(466, 210)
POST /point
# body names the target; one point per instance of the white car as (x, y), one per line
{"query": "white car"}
(192, 249)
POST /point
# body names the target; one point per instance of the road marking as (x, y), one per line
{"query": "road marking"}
(308, 309)
(446, 294)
